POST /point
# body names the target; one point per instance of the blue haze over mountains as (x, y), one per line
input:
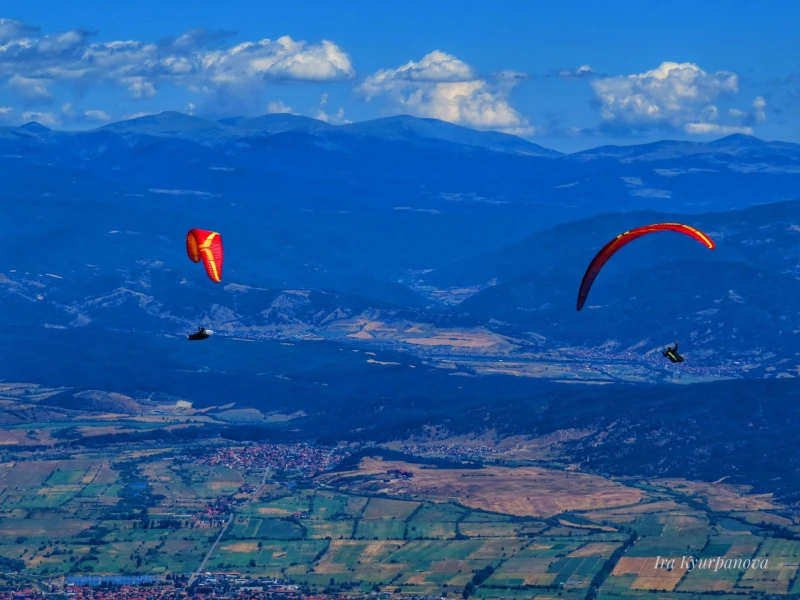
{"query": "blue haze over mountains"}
(368, 216)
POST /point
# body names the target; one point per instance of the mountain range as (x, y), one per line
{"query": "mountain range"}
(402, 222)
(428, 164)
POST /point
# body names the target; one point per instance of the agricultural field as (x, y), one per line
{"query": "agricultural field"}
(76, 515)
(371, 541)
(668, 530)
(524, 491)
(375, 527)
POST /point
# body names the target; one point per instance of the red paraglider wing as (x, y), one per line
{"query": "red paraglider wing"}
(206, 246)
(193, 245)
(624, 238)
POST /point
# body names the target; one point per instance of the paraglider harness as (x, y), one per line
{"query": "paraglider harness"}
(201, 334)
(672, 354)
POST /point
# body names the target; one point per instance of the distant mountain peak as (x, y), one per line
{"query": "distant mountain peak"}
(737, 139)
(408, 128)
(35, 127)
(172, 123)
(735, 145)
(164, 117)
(275, 123)
(740, 136)
(410, 120)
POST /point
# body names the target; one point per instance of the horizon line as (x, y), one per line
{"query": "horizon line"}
(400, 115)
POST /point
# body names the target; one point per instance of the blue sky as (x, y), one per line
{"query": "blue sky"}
(565, 75)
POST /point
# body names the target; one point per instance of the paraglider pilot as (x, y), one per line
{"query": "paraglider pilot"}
(201, 334)
(672, 354)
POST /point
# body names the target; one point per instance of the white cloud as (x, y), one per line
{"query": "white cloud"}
(706, 128)
(755, 115)
(678, 96)
(651, 193)
(195, 60)
(45, 118)
(4, 110)
(335, 119)
(97, 115)
(758, 113)
(138, 115)
(288, 59)
(581, 72)
(29, 87)
(77, 115)
(436, 67)
(139, 87)
(11, 29)
(443, 87)
(279, 107)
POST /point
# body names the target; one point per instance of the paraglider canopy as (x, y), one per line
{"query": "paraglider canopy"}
(607, 251)
(206, 246)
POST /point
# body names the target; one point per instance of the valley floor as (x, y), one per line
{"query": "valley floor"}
(310, 519)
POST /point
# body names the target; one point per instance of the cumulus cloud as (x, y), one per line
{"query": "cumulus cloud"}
(436, 67)
(198, 60)
(279, 107)
(97, 115)
(139, 87)
(336, 118)
(748, 118)
(443, 87)
(72, 114)
(758, 114)
(672, 96)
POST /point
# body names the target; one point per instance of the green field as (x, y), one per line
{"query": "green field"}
(142, 513)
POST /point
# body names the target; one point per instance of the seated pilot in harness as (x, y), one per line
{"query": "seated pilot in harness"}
(201, 334)
(672, 354)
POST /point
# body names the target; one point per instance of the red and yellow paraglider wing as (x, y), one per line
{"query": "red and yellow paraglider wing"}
(690, 231)
(607, 251)
(211, 249)
(206, 246)
(193, 244)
